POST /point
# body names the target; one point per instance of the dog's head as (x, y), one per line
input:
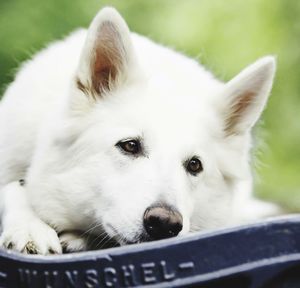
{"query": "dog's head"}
(162, 146)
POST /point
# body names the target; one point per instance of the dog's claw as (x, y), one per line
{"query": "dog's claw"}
(10, 245)
(30, 248)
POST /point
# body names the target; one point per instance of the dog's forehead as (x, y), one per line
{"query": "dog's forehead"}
(163, 111)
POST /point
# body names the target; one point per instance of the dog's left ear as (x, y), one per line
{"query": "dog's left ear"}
(246, 96)
(107, 54)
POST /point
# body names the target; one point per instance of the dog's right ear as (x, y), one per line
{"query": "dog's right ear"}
(107, 54)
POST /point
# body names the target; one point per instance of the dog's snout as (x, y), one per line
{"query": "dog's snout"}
(162, 222)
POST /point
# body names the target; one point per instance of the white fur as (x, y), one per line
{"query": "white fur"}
(62, 141)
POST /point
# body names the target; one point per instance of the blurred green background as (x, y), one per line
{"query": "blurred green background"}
(224, 35)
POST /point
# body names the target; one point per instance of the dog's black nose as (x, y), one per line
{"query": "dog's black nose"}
(162, 222)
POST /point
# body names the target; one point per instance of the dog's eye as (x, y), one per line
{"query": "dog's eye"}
(194, 166)
(130, 146)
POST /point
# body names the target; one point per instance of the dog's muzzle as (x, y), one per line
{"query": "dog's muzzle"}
(162, 222)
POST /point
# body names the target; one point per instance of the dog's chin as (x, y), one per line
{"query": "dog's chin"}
(96, 243)
(137, 240)
(108, 241)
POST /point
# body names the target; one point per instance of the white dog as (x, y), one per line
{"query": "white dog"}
(121, 138)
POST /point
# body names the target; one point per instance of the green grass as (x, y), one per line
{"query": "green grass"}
(224, 35)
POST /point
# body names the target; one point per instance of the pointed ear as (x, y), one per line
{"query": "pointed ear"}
(107, 54)
(246, 96)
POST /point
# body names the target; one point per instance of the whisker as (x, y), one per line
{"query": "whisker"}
(106, 242)
(100, 236)
(96, 225)
(103, 241)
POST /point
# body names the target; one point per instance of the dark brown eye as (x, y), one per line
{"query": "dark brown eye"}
(130, 146)
(194, 166)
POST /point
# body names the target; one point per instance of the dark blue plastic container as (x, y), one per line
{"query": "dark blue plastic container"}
(261, 255)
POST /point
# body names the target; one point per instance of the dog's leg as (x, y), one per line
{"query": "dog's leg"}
(22, 230)
(73, 241)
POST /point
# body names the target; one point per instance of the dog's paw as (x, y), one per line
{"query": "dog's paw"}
(73, 242)
(33, 237)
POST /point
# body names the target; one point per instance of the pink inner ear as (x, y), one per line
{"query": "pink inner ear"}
(237, 110)
(109, 55)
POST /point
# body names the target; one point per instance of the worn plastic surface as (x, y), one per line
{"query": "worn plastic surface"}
(263, 255)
